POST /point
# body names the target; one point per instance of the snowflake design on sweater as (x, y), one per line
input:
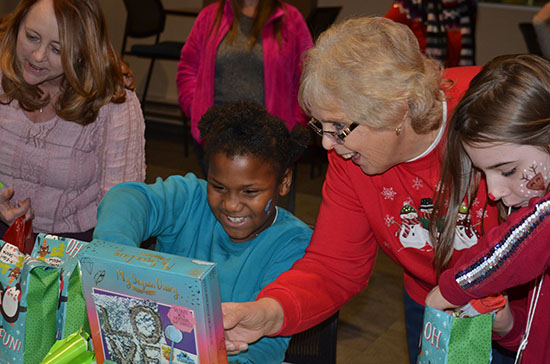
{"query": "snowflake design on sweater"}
(388, 193)
(481, 214)
(389, 220)
(417, 183)
(476, 202)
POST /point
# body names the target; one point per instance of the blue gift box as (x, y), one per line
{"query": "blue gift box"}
(146, 306)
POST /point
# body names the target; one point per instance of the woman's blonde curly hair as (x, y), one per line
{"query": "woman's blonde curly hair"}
(370, 67)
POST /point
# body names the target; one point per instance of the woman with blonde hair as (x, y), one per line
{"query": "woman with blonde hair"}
(381, 107)
(71, 125)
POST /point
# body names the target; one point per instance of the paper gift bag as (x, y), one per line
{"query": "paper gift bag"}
(41, 298)
(62, 253)
(29, 291)
(447, 339)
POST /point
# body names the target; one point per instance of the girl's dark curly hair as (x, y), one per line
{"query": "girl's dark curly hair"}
(246, 128)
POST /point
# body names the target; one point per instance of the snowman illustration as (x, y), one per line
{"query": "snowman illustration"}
(426, 209)
(411, 234)
(466, 236)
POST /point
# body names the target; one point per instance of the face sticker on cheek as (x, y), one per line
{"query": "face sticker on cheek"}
(534, 180)
(267, 206)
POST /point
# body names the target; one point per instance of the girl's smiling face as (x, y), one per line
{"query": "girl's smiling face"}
(515, 173)
(242, 194)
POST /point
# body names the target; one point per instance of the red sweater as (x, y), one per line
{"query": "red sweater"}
(514, 253)
(361, 213)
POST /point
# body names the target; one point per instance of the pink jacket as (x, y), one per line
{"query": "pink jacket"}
(282, 65)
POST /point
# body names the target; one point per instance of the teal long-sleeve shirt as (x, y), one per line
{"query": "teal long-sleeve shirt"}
(176, 211)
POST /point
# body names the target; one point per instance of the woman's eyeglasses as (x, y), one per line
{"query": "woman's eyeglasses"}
(339, 136)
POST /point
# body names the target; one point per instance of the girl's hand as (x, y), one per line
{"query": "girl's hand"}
(10, 211)
(503, 321)
(436, 300)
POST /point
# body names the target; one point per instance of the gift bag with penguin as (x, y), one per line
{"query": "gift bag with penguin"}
(28, 304)
(448, 339)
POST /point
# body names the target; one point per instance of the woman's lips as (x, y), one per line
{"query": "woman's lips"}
(348, 155)
(35, 69)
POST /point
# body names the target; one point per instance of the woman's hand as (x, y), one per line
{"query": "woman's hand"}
(9, 211)
(247, 322)
(436, 300)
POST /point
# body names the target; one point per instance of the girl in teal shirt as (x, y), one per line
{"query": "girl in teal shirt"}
(231, 219)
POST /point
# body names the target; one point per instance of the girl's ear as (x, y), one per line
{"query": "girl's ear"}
(284, 187)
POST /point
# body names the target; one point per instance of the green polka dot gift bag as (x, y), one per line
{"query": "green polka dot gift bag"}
(29, 291)
(62, 254)
(447, 339)
(41, 298)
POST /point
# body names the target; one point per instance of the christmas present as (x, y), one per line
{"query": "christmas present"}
(145, 306)
(35, 291)
(449, 339)
(62, 253)
(29, 291)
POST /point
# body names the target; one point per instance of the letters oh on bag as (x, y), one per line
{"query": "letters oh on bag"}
(447, 339)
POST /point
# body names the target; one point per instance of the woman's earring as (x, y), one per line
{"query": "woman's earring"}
(398, 131)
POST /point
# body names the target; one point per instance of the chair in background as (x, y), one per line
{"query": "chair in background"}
(316, 345)
(320, 19)
(145, 19)
(530, 37)
(304, 6)
(316, 155)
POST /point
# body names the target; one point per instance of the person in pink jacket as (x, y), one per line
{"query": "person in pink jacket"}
(502, 129)
(243, 50)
